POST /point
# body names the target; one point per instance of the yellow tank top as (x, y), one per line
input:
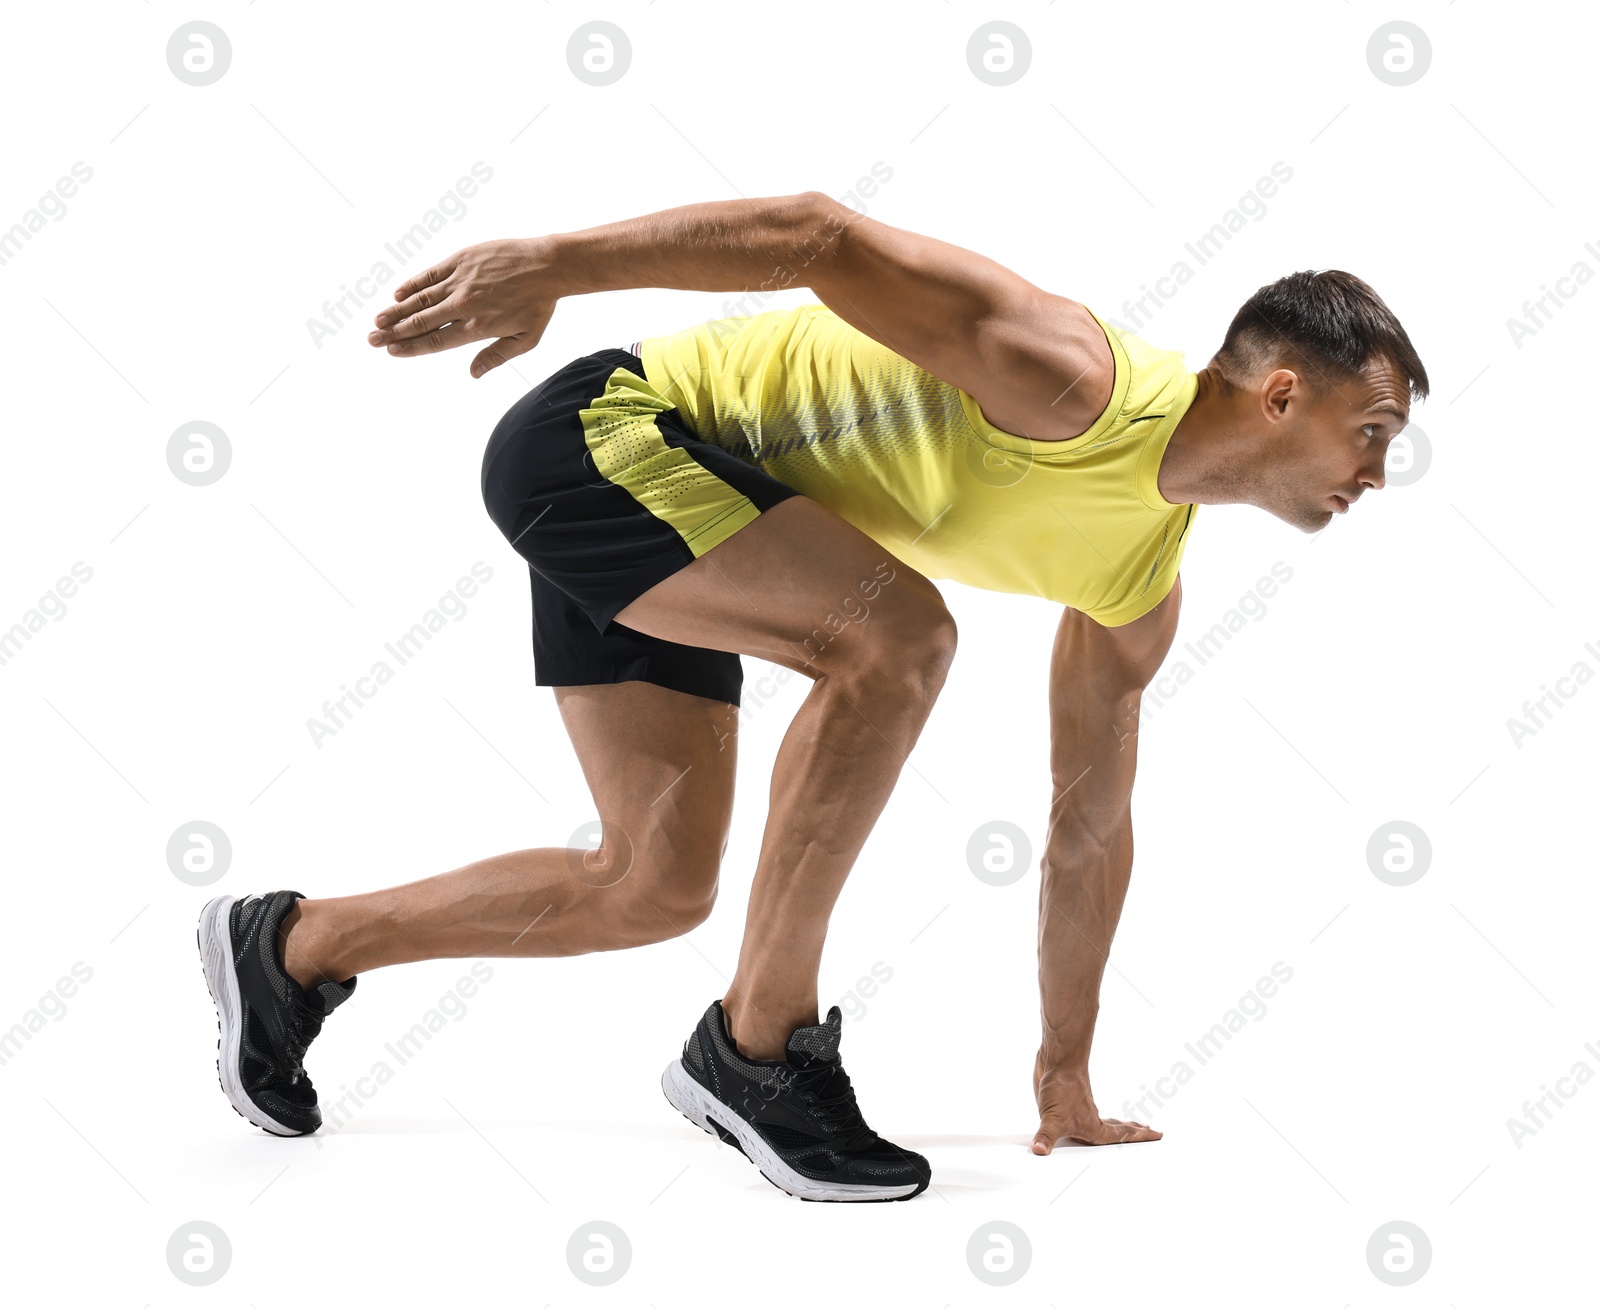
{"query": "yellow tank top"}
(913, 463)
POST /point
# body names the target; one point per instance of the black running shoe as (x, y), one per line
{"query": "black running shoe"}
(265, 1019)
(796, 1118)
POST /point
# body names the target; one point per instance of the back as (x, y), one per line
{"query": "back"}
(912, 461)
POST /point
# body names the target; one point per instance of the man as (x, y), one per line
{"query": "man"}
(783, 485)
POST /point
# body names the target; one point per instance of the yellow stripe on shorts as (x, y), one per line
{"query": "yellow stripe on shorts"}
(630, 451)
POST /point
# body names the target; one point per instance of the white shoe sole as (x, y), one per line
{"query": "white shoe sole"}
(216, 957)
(698, 1105)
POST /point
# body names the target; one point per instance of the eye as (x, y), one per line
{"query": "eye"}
(1371, 429)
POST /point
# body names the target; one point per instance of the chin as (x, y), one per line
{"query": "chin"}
(1308, 521)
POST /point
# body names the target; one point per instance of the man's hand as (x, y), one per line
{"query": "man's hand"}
(1067, 1112)
(501, 289)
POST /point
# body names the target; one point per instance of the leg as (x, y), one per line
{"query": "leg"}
(660, 765)
(876, 637)
(714, 557)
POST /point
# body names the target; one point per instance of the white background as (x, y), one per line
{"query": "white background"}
(1377, 686)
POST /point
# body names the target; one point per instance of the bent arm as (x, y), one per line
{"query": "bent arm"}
(1097, 675)
(1038, 364)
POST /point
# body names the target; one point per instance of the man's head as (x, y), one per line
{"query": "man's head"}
(1318, 368)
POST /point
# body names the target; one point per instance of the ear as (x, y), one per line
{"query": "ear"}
(1280, 389)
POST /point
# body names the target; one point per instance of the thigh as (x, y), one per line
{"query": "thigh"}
(660, 765)
(797, 586)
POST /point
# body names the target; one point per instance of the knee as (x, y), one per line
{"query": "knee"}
(663, 897)
(676, 906)
(910, 654)
(937, 642)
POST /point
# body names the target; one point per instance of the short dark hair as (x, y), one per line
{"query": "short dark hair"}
(1329, 325)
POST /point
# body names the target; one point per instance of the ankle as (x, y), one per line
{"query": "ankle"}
(762, 1032)
(304, 946)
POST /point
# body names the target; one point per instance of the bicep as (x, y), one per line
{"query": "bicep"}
(1131, 653)
(1097, 675)
(967, 320)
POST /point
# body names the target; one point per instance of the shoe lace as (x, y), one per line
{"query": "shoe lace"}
(826, 1088)
(304, 1025)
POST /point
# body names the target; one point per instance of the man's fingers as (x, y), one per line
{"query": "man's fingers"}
(1105, 1131)
(1135, 1131)
(402, 319)
(1117, 1131)
(427, 277)
(443, 338)
(421, 314)
(1050, 1131)
(507, 347)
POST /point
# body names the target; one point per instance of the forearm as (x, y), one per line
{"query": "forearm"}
(765, 244)
(1097, 676)
(1085, 880)
(1088, 858)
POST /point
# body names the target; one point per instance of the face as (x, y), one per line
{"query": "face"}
(1331, 447)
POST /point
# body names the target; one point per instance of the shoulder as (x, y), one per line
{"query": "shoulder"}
(1050, 368)
(1082, 342)
(1152, 371)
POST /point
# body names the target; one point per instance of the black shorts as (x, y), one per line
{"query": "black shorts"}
(597, 481)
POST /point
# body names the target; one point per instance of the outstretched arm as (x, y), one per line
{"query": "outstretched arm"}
(1037, 363)
(1096, 677)
(506, 290)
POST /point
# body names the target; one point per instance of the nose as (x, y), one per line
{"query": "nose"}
(1372, 477)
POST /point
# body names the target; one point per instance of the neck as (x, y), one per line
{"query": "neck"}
(1209, 455)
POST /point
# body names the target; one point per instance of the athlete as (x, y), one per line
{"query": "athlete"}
(783, 484)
